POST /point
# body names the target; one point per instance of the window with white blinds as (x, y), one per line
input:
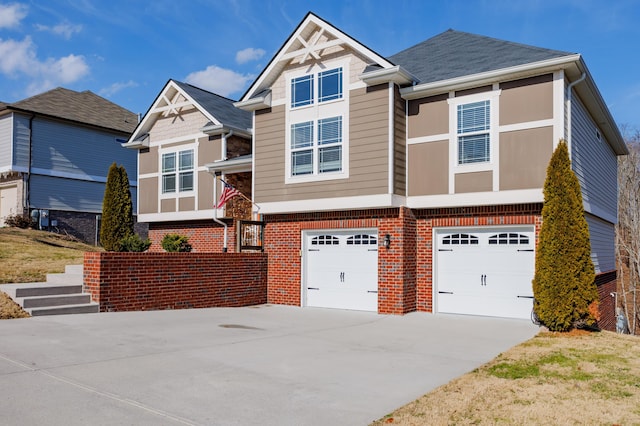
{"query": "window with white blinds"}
(474, 139)
(316, 148)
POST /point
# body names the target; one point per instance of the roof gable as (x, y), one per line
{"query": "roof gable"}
(81, 107)
(454, 54)
(176, 96)
(312, 39)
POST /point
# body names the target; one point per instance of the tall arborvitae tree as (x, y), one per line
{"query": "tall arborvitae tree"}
(564, 289)
(117, 210)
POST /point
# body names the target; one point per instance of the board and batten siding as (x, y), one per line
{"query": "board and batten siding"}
(603, 235)
(6, 142)
(594, 163)
(368, 152)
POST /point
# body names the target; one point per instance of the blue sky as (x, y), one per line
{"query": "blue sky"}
(126, 50)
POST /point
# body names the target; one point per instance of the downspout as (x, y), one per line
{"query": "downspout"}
(27, 188)
(224, 144)
(569, 93)
(215, 210)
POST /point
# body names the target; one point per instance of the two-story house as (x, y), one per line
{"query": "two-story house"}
(55, 153)
(414, 182)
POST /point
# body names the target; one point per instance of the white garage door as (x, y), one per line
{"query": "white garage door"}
(484, 271)
(341, 269)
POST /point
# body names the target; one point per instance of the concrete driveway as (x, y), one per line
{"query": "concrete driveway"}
(264, 365)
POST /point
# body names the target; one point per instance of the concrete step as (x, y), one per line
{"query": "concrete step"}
(45, 289)
(89, 308)
(73, 269)
(57, 300)
(65, 278)
(61, 294)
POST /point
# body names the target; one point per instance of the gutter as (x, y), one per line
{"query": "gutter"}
(458, 83)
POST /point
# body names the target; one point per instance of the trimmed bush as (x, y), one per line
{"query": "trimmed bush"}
(564, 289)
(117, 209)
(176, 243)
(133, 243)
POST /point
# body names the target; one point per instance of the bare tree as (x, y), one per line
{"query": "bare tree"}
(628, 232)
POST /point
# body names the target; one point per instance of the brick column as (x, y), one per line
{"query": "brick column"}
(397, 264)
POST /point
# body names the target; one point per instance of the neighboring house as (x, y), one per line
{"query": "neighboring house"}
(55, 153)
(187, 134)
(413, 182)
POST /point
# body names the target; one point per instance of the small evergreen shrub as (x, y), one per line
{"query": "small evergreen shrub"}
(117, 209)
(19, 221)
(133, 243)
(176, 243)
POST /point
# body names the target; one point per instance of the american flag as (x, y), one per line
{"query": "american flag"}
(228, 192)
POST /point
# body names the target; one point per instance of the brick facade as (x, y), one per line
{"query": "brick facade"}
(152, 281)
(405, 269)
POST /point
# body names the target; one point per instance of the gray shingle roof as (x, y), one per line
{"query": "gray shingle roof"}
(454, 54)
(218, 106)
(82, 107)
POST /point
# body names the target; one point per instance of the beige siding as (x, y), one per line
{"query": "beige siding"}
(428, 116)
(148, 161)
(174, 126)
(148, 195)
(429, 168)
(186, 204)
(209, 150)
(205, 190)
(400, 145)
(524, 156)
(168, 205)
(368, 152)
(526, 100)
(474, 182)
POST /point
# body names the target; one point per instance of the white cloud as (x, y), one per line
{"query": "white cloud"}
(249, 54)
(219, 80)
(12, 14)
(19, 59)
(116, 87)
(65, 29)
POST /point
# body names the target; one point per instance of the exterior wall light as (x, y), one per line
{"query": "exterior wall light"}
(386, 242)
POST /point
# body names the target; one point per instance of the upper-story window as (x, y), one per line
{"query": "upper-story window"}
(474, 125)
(302, 91)
(177, 171)
(329, 87)
(316, 146)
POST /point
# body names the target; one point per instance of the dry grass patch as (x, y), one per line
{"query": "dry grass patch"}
(27, 255)
(9, 309)
(554, 378)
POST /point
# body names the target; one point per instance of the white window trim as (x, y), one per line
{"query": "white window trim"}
(314, 112)
(494, 132)
(178, 194)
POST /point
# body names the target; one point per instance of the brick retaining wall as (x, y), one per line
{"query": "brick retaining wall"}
(153, 281)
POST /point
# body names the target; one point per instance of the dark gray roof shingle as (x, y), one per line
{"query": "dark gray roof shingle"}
(82, 107)
(454, 54)
(218, 106)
